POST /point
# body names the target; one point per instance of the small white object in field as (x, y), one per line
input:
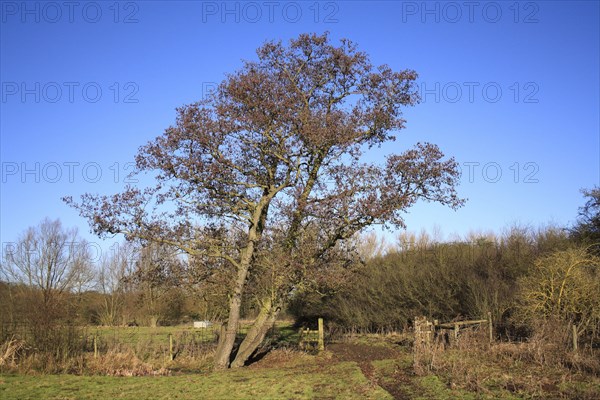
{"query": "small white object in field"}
(202, 324)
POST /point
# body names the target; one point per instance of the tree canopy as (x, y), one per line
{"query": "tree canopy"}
(274, 162)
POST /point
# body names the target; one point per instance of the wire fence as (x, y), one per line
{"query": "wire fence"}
(146, 343)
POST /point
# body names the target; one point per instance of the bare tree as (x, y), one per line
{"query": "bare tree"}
(563, 286)
(371, 245)
(156, 273)
(587, 228)
(114, 268)
(50, 261)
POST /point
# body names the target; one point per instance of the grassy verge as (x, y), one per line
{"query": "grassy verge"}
(309, 379)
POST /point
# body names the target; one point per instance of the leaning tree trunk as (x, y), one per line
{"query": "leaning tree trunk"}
(227, 338)
(264, 321)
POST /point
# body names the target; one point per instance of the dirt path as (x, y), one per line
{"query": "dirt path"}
(363, 355)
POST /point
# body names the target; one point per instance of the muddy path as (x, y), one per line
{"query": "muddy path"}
(397, 385)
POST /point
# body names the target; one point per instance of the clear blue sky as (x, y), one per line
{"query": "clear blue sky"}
(511, 90)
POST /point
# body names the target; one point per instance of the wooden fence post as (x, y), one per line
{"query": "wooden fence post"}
(171, 346)
(574, 337)
(95, 346)
(301, 338)
(456, 331)
(321, 335)
(491, 326)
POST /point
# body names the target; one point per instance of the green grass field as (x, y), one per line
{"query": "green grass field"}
(160, 334)
(132, 336)
(309, 379)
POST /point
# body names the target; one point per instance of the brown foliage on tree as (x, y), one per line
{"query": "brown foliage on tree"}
(276, 156)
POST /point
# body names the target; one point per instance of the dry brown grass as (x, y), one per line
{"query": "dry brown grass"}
(426, 355)
(543, 367)
(122, 364)
(283, 357)
(142, 358)
(9, 351)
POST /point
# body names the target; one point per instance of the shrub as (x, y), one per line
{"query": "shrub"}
(563, 286)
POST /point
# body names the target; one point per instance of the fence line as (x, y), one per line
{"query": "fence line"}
(145, 342)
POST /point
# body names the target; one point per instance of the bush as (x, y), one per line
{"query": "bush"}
(563, 286)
